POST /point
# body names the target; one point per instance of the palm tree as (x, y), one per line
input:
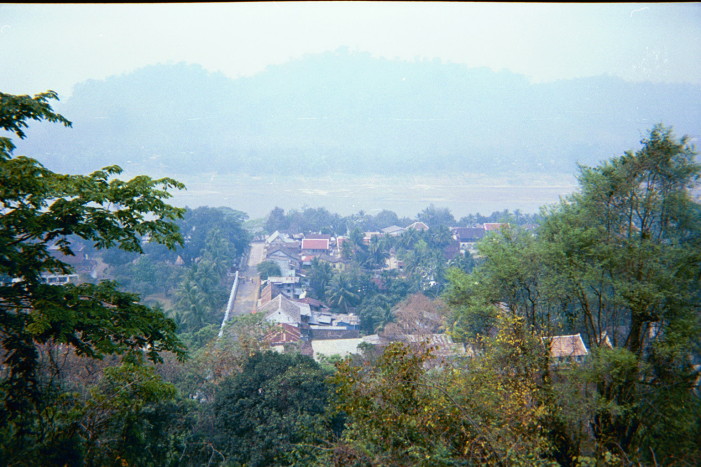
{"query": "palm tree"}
(320, 276)
(342, 293)
(377, 253)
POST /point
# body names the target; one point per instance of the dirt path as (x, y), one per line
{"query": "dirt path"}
(249, 282)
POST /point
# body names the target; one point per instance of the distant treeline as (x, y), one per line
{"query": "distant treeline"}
(320, 220)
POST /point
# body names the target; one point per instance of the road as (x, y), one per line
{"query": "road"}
(249, 282)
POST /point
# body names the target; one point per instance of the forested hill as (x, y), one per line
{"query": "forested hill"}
(349, 112)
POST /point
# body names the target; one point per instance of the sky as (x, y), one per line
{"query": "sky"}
(55, 46)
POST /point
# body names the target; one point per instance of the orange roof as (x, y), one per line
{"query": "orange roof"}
(567, 346)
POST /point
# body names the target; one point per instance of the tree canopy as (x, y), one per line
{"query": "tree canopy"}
(40, 212)
(619, 263)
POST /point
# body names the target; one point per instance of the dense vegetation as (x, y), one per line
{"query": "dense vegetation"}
(93, 375)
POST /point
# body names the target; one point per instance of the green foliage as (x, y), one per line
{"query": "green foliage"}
(346, 289)
(121, 414)
(434, 217)
(320, 275)
(617, 262)
(375, 311)
(42, 209)
(267, 269)
(505, 216)
(401, 413)
(16, 110)
(473, 312)
(203, 286)
(308, 220)
(391, 415)
(277, 402)
(276, 220)
(215, 359)
(625, 255)
(375, 308)
(217, 230)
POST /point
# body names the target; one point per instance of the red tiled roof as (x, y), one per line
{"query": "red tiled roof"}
(284, 334)
(315, 244)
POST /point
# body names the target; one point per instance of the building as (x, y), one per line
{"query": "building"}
(316, 245)
(418, 226)
(289, 286)
(468, 237)
(393, 230)
(565, 349)
(282, 310)
(336, 262)
(287, 260)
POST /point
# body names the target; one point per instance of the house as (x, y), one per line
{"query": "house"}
(287, 260)
(325, 325)
(338, 263)
(277, 239)
(287, 285)
(314, 304)
(79, 261)
(316, 245)
(267, 293)
(418, 226)
(346, 320)
(394, 264)
(566, 348)
(316, 236)
(332, 332)
(60, 279)
(468, 237)
(282, 310)
(282, 239)
(393, 230)
(286, 337)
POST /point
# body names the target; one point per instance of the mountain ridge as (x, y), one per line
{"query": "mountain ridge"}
(349, 112)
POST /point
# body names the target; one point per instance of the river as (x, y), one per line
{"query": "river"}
(348, 194)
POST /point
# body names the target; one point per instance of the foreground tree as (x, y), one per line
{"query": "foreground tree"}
(401, 413)
(618, 262)
(277, 402)
(624, 255)
(40, 210)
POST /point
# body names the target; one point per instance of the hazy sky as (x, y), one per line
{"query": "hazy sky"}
(56, 46)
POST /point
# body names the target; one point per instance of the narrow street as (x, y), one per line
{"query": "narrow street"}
(249, 282)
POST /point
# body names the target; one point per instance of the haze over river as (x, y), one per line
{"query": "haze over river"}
(347, 194)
